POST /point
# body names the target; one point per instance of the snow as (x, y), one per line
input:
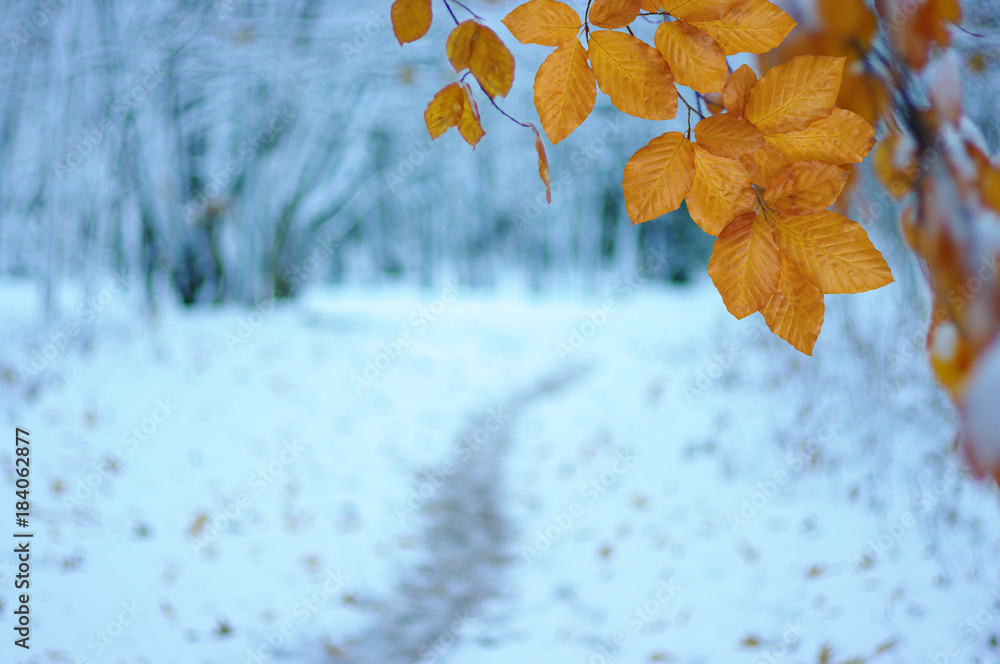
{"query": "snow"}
(979, 406)
(529, 479)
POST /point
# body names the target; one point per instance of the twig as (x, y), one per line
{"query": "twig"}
(448, 6)
(690, 107)
(474, 14)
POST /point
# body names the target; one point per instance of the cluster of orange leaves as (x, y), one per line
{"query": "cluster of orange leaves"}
(766, 160)
(953, 185)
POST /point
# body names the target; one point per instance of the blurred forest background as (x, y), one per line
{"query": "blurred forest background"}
(215, 151)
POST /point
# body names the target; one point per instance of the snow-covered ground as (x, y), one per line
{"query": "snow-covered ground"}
(392, 476)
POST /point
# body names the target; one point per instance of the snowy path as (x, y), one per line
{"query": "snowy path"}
(465, 542)
(699, 493)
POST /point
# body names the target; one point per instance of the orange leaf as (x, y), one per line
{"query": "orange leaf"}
(453, 106)
(737, 88)
(764, 165)
(833, 250)
(745, 265)
(613, 14)
(792, 96)
(699, 10)
(714, 103)
(694, 58)
(894, 162)
(565, 91)
(477, 48)
(806, 186)
(916, 29)
(848, 19)
(721, 191)
(989, 178)
(543, 164)
(651, 5)
(658, 177)
(411, 19)
(864, 93)
(843, 137)
(754, 26)
(728, 135)
(634, 75)
(795, 311)
(545, 22)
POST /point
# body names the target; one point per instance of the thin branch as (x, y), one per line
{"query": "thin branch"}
(474, 14)
(448, 6)
(690, 107)
(586, 21)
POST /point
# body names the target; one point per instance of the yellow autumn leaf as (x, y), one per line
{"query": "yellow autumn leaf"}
(699, 10)
(833, 250)
(543, 164)
(651, 6)
(720, 192)
(894, 162)
(843, 137)
(793, 95)
(634, 75)
(658, 177)
(795, 311)
(565, 91)
(752, 26)
(734, 95)
(613, 14)
(453, 106)
(917, 28)
(745, 265)
(848, 20)
(864, 92)
(764, 165)
(806, 186)
(544, 22)
(477, 48)
(694, 58)
(728, 135)
(411, 19)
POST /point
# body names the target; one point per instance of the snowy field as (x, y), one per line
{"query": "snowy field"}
(398, 476)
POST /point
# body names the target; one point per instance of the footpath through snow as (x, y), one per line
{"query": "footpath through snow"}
(637, 480)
